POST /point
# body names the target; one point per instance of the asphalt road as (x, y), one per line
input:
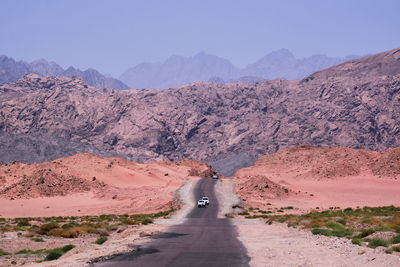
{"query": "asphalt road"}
(201, 240)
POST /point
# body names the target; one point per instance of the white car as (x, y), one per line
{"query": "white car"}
(215, 176)
(201, 203)
(206, 200)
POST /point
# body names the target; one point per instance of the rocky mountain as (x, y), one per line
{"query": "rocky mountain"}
(11, 70)
(354, 104)
(178, 70)
(283, 64)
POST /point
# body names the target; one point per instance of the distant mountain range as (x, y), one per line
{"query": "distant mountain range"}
(11, 71)
(179, 70)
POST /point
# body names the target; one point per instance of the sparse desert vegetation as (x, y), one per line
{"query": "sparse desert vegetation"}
(368, 226)
(58, 230)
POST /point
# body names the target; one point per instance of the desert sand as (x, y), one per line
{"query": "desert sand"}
(303, 177)
(127, 238)
(308, 178)
(85, 184)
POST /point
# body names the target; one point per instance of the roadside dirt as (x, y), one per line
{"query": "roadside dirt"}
(280, 245)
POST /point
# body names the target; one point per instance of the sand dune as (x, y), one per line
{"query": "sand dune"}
(308, 177)
(86, 184)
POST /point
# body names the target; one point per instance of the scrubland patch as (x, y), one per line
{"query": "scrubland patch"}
(368, 226)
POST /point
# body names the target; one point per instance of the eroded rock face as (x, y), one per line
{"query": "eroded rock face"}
(355, 104)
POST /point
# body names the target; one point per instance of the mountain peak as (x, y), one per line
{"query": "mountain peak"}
(11, 71)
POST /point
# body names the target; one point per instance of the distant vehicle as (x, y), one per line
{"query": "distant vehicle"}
(201, 203)
(215, 176)
(206, 200)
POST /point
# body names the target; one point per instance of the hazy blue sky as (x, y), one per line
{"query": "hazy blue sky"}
(114, 35)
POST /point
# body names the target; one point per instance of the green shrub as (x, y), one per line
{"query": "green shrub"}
(347, 210)
(25, 251)
(70, 225)
(334, 225)
(383, 229)
(2, 252)
(45, 228)
(23, 222)
(67, 248)
(147, 221)
(376, 242)
(54, 255)
(366, 232)
(37, 239)
(395, 239)
(396, 248)
(101, 240)
(356, 241)
(319, 231)
(334, 232)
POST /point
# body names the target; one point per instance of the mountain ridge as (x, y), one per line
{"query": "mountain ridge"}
(180, 70)
(11, 70)
(354, 104)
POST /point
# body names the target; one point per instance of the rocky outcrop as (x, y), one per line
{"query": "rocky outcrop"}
(354, 104)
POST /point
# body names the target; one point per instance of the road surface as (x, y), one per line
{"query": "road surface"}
(201, 240)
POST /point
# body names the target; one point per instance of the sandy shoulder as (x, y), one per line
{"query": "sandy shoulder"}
(279, 245)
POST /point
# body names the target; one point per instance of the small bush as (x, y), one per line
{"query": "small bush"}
(366, 232)
(147, 221)
(70, 225)
(2, 252)
(356, 241)
(395, 239)
(376, 242)
(101, 240)
(383, 229)
(67, 248)
(335, 232)
(54, 255)
(45, 228)
(319, 231)
(37, 239)
(396, 248)
(334, 225)
(25, 251)
(129, 221)
(23, 222)
(66, 233)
